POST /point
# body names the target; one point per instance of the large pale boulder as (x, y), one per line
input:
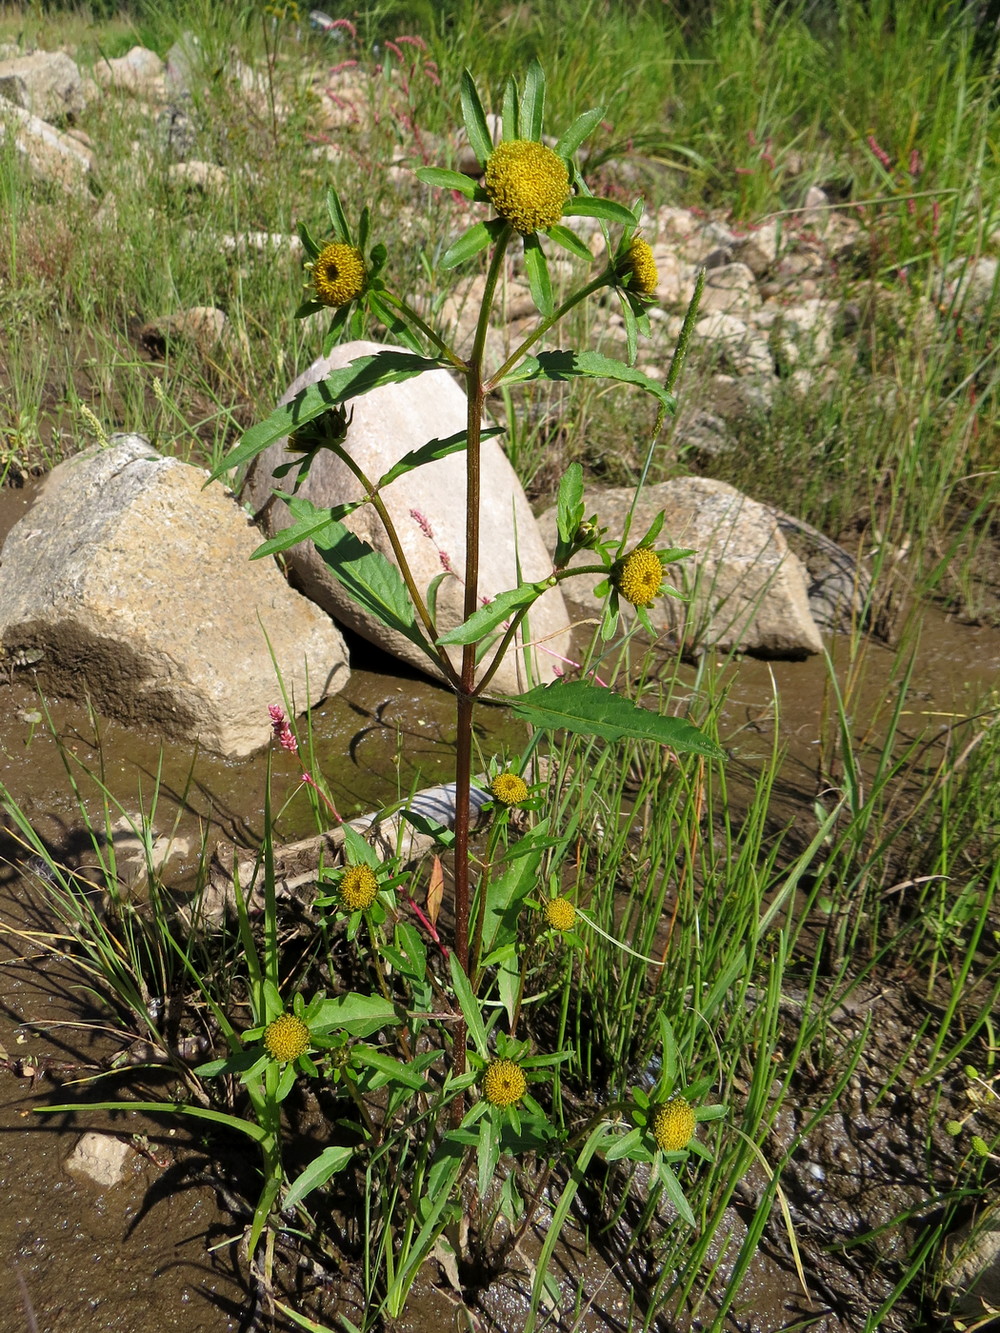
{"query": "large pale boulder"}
(49, 155)
(744, 588)
(130, 582)
(427, 507)
(46, 83)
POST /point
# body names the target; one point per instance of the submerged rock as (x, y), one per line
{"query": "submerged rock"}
(130, 582)
(427, 506)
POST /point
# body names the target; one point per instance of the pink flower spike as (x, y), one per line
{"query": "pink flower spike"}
(282, 731)
(879, 152)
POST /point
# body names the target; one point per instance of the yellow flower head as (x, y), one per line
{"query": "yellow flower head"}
(673, 1124)
(508, 789)
(358, 888)
(286, 1038)
(338, 274)
(560, 913)
(639, 261)
(504, 1083)
(638, 576)
(527, 184)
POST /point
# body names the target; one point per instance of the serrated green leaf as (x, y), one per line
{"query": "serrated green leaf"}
(509, 116)
(470, 243)
(533, 102)
(566, 364)
(338, 218)
(317, 1173)
(374, 582)
(578, 706)
(537, 269)
(443, 179)
(475, 120)
(591, 206)
(571, 242)
(584, 125)
(488, 617)
(430, 451)
(570, 504)
(360, 377)
(358, 1015)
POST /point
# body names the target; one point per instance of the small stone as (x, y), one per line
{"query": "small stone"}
(100, 1157)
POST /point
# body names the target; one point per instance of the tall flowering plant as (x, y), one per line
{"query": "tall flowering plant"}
(528, 191)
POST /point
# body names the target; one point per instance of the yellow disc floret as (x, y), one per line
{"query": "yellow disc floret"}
(358, 887)
(560, 913)
(638, 576)
(286, 1038)
(527, 184)
(640, 263)
(673, 1124)
(338, 274)
(504, 1083)
(508, 789)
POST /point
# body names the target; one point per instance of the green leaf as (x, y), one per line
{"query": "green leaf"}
(430, 451)
(567, 364)
(590, 206)
(475, 120)
(509, 116)
(590, 710)
(487, 1153)
(394, 1071)
(488, 617)
(537, 269)
(317, 1173)
(308, 244)
(672, 1189)
(570, 507)
(631, 329)
(392, 320)
(571, 242)
(506, 892)
(624, 1146)
(469, 1006)
(584, 125)
(360, 377)
(447, 180)
(358, 1015)
(533, 102)
(374, 582)
(477, 238)
(338, 218)
(312, 524)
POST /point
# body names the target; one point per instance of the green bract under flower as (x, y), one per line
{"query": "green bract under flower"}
(338, 274)
(527, 184)
(504, 1083)
(638, 576)
(286, 1038)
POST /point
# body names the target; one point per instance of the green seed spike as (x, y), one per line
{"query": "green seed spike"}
(687, 328)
